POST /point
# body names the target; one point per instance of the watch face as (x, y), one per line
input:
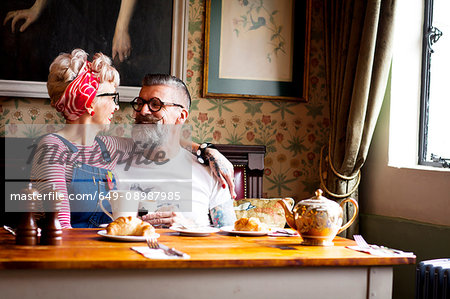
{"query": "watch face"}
(200, 160)
(203, 145)
(199, 152)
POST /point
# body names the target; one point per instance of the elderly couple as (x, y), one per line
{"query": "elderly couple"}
(84, 92)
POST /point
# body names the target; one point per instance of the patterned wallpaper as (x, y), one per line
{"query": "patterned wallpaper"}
(293, 133)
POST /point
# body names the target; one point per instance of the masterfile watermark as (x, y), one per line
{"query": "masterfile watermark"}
(58, 154)
(30, 152)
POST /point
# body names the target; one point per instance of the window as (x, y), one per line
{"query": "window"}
(434, 139)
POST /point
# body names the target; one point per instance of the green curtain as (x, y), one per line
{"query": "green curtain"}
(358, 38)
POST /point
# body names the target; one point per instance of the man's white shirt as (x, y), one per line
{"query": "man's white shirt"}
(181, 182)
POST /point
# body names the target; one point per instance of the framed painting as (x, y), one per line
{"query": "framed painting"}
(157, 40)
(257, 49)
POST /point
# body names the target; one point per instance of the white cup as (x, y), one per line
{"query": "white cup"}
(123, 203)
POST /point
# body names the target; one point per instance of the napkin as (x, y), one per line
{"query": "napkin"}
(382, 251)
(157, 253)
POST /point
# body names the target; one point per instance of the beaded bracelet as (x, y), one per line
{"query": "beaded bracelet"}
(201, 157)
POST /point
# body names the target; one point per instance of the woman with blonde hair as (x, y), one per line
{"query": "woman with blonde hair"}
(75, 161)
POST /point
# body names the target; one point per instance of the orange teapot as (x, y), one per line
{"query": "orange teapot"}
(318, 220)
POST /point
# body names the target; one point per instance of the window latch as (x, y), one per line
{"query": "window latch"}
(445, 162)
(434, 34)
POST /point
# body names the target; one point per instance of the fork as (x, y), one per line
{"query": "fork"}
(152, 243)
(363, 245)
(361, 242)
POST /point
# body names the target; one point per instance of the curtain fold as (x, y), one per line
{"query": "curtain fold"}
(358, 39)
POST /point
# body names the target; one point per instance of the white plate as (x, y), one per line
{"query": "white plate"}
(195, 232)
(125, 238)
(230, 230)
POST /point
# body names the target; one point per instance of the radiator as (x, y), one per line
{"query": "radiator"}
(433, 279)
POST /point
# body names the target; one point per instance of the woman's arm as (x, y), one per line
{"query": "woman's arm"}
(49, 172)
(220, 167)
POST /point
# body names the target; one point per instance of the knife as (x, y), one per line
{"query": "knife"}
(10, 229)
(13, 231)
(172, 251)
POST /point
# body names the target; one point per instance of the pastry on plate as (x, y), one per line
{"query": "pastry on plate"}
(249, 224)
(129, 226)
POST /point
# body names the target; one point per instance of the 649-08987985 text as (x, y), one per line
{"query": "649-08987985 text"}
(142, 196)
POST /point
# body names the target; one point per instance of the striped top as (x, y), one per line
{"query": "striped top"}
(53, 165)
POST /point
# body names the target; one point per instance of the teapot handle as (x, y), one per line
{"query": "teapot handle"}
(355, 212)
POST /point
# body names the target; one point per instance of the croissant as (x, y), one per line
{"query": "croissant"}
(249, 224)
(129, 226)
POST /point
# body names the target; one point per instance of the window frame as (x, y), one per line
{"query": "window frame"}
(425, 87)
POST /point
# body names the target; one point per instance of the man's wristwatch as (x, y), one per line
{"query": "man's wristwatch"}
(201, 157)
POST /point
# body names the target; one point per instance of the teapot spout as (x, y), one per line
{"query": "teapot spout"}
(288, 214)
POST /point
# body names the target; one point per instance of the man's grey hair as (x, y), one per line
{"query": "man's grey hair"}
(169, 80)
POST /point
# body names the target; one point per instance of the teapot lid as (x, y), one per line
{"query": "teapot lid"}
(318, 194)
(318, 199)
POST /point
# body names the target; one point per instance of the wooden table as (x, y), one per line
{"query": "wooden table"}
(87, 265)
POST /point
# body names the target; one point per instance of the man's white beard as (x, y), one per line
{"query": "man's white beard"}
(150, 133)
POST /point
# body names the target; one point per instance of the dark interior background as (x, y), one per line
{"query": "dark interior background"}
(68, 24)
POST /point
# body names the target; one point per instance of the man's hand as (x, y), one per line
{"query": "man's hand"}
(222, 169)
(160, 218)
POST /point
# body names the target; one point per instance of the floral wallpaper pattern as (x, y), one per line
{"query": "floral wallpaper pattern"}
(292, 132)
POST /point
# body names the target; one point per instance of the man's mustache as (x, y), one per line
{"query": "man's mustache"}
(146, 119)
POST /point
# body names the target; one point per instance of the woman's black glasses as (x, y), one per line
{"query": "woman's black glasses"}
(154, 104)
(114, 95)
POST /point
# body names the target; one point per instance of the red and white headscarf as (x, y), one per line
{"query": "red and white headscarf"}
(79, 94)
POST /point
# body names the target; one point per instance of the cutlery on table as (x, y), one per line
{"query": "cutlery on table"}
(154, 244)
(361, 242)
(9, 229)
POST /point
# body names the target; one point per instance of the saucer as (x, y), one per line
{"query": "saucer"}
(195, 232)
(230, 230)
(125, 238)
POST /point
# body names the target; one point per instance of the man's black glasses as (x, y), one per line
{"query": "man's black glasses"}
(154, 104)
(114, 95)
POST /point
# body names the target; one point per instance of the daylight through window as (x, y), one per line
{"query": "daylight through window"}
(434, 147)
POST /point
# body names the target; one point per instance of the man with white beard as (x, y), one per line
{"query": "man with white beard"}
(166, 174)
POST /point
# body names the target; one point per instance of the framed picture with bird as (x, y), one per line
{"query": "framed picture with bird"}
(257, 49)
